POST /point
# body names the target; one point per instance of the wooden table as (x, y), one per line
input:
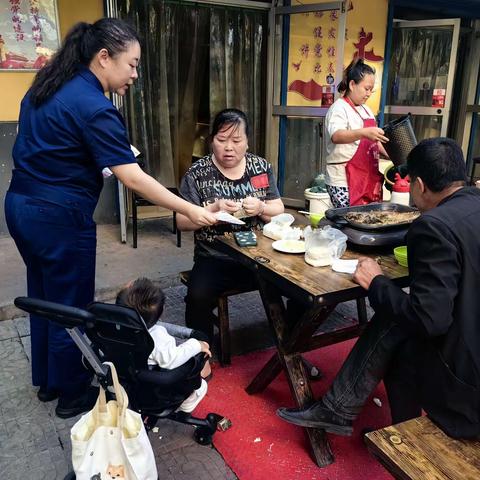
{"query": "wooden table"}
(417, 449)
(319, 290)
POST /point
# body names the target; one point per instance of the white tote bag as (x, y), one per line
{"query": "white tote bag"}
(110, 441)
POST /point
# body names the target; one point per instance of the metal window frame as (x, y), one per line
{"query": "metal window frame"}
(281, 109)
(251, 5)
(278, 112)
(306, 8)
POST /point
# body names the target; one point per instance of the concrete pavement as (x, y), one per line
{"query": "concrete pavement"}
(156, 257)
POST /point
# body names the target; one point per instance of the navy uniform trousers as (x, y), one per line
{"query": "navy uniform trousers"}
(58, 246)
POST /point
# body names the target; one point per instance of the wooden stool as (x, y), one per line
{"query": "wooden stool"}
(222, 320)
(417, 449)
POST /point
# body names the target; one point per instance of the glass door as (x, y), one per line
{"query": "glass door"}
(421, 74)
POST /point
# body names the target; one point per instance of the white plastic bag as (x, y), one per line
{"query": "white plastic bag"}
(279, 226)
(110, 441)
(324, 245)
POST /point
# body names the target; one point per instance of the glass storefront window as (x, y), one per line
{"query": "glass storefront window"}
(419, 64)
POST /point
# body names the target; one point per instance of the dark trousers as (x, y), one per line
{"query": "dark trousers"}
(382, 352)
(58, 247)
(209, 278)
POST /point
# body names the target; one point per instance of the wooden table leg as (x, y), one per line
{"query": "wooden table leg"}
(301, 391)
(291, 362)
(266, 375)
(362, 311)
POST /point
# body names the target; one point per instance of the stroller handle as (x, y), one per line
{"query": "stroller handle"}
(63, 315)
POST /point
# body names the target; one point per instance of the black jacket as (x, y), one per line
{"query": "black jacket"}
(443, 309)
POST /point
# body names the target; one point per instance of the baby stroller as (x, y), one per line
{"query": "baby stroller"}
(118, 334)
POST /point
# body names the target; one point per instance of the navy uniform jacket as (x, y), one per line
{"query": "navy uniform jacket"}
(443, 309)
(60, 151)
(63, 145)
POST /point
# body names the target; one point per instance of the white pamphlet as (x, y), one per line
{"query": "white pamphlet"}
(344, 266)
(226, 217)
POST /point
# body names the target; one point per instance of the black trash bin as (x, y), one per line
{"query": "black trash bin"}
(401, 138)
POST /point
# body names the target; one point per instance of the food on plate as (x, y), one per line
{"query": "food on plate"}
(289, 246)
(381, 218)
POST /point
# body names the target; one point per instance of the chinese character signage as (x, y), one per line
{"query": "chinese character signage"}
(313, 43)
(28, 33)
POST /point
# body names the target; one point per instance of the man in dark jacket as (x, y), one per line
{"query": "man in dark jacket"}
(425, 345)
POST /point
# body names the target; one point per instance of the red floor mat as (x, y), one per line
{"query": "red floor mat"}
(261, 446)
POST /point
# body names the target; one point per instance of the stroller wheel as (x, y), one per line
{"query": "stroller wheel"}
(203, 436)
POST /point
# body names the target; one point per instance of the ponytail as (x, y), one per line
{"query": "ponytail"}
(356, 71)
(61, 68)
(81, 44)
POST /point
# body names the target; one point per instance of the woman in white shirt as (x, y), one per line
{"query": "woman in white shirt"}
(354, 141)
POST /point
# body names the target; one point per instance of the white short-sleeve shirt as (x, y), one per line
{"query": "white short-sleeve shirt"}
(341, 116)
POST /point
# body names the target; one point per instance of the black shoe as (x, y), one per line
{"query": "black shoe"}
(317, 416)
(67, 408)
(46, 395)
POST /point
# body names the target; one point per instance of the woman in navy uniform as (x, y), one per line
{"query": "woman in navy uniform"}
(68, 132)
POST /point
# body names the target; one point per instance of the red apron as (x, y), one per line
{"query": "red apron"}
(363, 178)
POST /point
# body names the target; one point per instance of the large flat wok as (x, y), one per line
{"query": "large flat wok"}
(337, 215)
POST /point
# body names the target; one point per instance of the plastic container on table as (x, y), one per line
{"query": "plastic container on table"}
(318, 202)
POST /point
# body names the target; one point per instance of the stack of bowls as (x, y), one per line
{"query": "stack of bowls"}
(401, 255)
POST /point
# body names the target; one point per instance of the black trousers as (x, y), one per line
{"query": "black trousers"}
(58, 246)
(382, 352)
(209, 278)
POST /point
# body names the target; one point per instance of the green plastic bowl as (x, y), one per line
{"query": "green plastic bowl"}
(401, 255)
(315, 219)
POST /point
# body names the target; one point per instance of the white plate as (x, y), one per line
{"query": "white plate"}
(289, 246)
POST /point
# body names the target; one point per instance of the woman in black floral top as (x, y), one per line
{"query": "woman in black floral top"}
(231, 180)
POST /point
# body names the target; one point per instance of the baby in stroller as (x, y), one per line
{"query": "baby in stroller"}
(148, 299)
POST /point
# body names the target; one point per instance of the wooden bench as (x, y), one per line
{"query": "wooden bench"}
(419, 450)
(222, 320)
